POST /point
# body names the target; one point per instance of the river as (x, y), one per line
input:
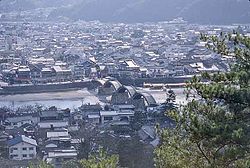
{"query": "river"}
(74, 99)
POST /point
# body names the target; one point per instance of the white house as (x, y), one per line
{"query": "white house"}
(53, 124)
(94, 118)
(58, 135)
(57, 157)
(22, 148)
(122, 115)
(108, 116)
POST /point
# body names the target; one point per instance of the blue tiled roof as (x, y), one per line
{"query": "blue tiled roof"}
(20, 139)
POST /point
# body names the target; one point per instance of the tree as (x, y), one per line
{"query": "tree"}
(71, 164)
(138, 120)
(101, 160)
(135, 154)
(41, 164)
(213, 131)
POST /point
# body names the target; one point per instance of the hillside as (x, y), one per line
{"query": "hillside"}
(195, 11)
(131, 11)
(22, 5)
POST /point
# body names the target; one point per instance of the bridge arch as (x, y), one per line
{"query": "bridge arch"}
(112, 83)
(149, 99)
(122, 95)
(130, 89)
(109, 87)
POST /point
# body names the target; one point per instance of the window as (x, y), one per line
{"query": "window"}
(31, 148)
(31, 155)
(24, 155)
(24, 148)
(13, 156)
(12, 149)
(108, 118)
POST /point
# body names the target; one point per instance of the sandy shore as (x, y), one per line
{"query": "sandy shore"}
(67, 95)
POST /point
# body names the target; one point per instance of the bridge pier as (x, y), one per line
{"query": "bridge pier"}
(105, 91)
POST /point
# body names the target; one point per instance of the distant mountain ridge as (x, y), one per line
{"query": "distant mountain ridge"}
(131, 11)
(21, 5)
(195, 11)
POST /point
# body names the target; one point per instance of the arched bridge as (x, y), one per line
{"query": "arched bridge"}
(121, 94)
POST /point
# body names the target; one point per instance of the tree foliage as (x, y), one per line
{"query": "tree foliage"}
(213, 131)
(102, 160)
(41, 164)
(99, 160)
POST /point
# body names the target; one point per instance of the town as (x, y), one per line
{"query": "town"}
(120, 63)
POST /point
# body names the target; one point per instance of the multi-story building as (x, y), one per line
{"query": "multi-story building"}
(22, 148)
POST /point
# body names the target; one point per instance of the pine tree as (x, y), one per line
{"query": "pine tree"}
(213, 131)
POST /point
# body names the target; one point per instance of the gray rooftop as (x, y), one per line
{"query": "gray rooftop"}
(21, 138)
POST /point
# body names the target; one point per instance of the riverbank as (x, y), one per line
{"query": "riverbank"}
(67, 99)
(70, 95)
(75, 98)
(50, 87)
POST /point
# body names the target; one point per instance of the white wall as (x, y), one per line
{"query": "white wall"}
(115, 118)
(20, 152)
(55, 124)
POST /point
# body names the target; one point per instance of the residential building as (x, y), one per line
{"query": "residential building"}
(22, 148)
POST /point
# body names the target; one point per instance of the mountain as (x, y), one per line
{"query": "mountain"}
(219, 12)
(194, 11)
(131, 11)
(14, 5)
(22, 5)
